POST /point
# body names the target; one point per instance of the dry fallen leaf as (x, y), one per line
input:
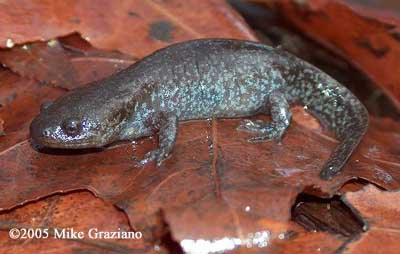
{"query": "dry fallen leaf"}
(216, 186)
(1, 127)
(56, 62)
(371, 37)
(380, 212)
(213, 175)
(133, 27)
(55, 213)
(41, 61)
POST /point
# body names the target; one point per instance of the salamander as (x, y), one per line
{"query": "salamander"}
(201, 79)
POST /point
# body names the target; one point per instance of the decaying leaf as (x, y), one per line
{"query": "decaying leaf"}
(55, 214)
(370, 40)
(328, 215)
(216, 191)
(46, 62)
(133, 27)
(2, 127)
(213, 172)
(213, 175)
(380, 212)
(21, 99)
(56, 62)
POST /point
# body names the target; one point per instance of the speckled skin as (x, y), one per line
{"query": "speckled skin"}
(202, 79)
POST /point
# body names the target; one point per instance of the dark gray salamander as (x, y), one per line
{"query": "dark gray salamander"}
(202, 79)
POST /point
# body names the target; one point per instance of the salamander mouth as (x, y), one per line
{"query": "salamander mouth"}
(59, 145)
(43, 136)
(50, 143)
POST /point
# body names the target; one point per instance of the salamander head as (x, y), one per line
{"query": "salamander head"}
(81, 119)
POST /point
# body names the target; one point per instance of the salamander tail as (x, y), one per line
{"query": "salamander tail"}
(348, 143)
(336, 107)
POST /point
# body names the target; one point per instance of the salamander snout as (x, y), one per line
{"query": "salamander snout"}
(36, 132)
(39, 133)
(70, 132)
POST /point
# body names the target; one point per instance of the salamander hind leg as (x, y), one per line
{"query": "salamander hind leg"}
(168, 125)
(281, 116)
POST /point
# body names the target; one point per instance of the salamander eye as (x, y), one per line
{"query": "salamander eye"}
(72, 127)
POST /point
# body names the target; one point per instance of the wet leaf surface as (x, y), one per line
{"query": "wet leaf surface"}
(58, 62)
(380, 212)
(300, 241)
(371, 37)
(55, 213)
(327, 215)
(2, 127)
(133, 27)
(213, 175)
(216, 191)
(21, 100)
(46, 62)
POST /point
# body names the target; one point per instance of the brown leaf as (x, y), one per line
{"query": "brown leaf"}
(328, 216)
(381, 214)
(214, 175)
(157, 29)
(58, 63)
(133, 27)
(216, 186)
(83, 54)
(300, 241)
(46, 62)
(21, 99)
(2, 127)
(55, 213)
(213, 172)
(371, 37)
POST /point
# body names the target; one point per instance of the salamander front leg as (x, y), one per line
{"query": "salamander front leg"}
(168, 125)
(281, 116)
